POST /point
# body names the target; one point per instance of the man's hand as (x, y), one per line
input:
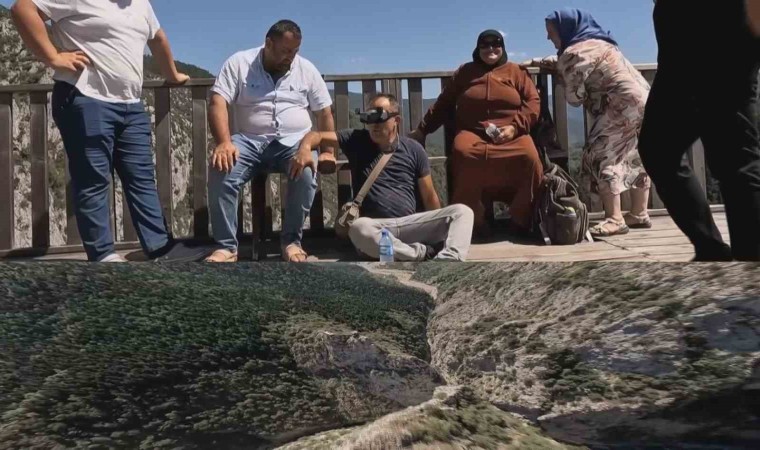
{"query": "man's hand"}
(225, 156)
(327, 163)
(70, 61)
(506, 134)
(177, 79)
(300, 161)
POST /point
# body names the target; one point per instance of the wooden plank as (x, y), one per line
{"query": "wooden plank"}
(316, 214)
(509, 249)
(448, 144)
(345, 193)
(342, 107)
(269, 201)
(208, 82)
(369, 89)
(241, 214)
(697, 160)
(680, 249)
(164, 152)
(200, 161)
(40, 195)
(258, 208)
(7, 203)
(560, 114)
(283, 197)
(605, 255)
(415, 102)
(393, 87)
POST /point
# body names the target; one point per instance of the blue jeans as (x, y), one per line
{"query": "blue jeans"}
(224, 189)
(98, 137)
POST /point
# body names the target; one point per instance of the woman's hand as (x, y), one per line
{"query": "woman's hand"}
(506, 134)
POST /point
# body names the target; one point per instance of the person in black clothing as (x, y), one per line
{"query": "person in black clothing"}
(691, 99)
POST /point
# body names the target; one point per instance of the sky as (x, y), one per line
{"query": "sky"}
(341, 36)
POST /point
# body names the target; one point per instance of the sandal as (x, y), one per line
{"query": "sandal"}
(222, 256)
(293, 252)
(640, 221)
(602, 229)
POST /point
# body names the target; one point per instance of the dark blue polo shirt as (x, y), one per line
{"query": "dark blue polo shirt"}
(394, 193)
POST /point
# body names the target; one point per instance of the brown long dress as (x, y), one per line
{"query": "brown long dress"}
(481, 170)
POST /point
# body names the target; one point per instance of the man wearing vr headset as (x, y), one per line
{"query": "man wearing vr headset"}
(271, 90)
(391, 203)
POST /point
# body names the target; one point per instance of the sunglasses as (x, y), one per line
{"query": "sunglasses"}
(490, 44)
(377, 115)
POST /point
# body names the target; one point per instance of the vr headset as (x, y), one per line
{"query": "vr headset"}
(376, 115)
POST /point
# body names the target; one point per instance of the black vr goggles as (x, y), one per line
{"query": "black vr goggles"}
(376, 115)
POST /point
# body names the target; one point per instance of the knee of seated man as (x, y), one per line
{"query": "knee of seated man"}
(462, 211)
(362, 228)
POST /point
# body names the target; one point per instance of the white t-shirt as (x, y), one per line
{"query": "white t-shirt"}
(264, 110)
(113, 34)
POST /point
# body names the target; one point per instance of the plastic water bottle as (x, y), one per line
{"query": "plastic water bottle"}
(386, 247)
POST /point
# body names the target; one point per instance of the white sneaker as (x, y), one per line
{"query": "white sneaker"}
(113, 257)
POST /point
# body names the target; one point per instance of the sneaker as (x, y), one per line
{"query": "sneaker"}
(113, 258)
(180, 251)
(432, 250)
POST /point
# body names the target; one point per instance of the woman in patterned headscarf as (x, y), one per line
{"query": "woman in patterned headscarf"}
(597, 75)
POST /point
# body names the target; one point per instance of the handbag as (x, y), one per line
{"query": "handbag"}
(349, 212)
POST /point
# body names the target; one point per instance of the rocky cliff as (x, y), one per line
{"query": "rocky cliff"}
(374, 357)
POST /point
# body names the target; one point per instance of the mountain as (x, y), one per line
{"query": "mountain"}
(380, 356)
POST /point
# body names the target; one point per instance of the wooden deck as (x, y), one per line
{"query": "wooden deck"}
(663, 242)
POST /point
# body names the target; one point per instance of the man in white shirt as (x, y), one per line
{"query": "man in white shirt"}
(271, 90)
(97, 53)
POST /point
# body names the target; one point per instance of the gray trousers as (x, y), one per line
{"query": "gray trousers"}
(451, 225)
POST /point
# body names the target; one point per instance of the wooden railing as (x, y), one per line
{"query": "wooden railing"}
(262, 200)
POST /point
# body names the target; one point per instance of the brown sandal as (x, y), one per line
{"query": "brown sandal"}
(292, 252)
(222, 256)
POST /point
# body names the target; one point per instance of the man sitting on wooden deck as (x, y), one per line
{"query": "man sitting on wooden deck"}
(391, 203)
(270, 89)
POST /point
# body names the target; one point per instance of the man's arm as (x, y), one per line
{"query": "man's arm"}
(303, 158)
(427, 192)
(162, 52)
(326, 123)
(30, 22)
(225, 154)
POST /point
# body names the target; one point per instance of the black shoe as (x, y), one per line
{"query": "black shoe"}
(721, 254)
(179, 251)
(432, 250)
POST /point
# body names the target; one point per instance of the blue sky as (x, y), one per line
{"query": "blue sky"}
(342, 36)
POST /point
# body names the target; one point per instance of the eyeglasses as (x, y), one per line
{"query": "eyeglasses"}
(376, 115)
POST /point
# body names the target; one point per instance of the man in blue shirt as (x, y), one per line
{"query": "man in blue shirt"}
(391, 203)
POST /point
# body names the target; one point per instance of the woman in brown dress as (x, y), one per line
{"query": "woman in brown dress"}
(504, 166)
